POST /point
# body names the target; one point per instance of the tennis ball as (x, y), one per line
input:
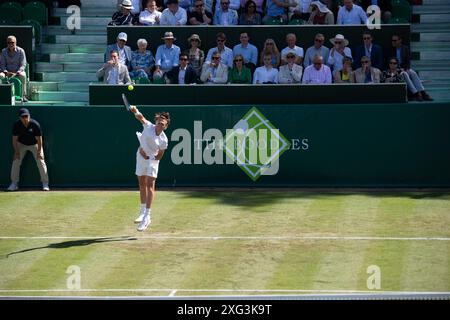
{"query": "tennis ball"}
(130, 87)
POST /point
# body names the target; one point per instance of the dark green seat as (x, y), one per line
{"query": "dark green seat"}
(11, 11)
(297, 22)
(397, 21)
(37, 29)
(274, 22)
(143, 80)
(17, 88)
(36, 10)
(5, 22)
(401, 9)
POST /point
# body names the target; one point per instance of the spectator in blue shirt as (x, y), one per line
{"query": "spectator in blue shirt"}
(167, 55)
(248, 51)
(276, 9)
(351, 13)
(225, 16)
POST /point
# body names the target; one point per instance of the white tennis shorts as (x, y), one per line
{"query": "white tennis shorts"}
(146, 167)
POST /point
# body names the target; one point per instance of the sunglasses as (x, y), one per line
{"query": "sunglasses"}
(338, 42)
(216, 58)
(394, 40)
(318, 40)
(222, 3)
(11, 42)
(392, 62)
(183, 59)
(238, 60)
(220, 40)
(252, 6)
(198, 5)
(317, 63)
(365, 62)
(269, 44)
(24, 116)
(367, 38)
(196, 40)
(290, 57)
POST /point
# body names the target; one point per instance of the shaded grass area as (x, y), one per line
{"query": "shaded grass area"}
(111, 254)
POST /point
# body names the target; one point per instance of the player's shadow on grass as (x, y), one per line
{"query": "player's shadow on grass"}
(73, 243)
(257, 199)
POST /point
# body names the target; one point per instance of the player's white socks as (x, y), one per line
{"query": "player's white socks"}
(147, 212)
(142, 208)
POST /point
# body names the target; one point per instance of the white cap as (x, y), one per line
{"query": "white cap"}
(122, 36)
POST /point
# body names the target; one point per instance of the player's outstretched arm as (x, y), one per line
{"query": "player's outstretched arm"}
(138, 115)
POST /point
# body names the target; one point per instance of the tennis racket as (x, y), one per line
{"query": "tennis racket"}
(126, 103)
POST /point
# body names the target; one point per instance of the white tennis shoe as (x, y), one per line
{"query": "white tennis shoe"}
(140, 218)
(144, 224)
(13, 187)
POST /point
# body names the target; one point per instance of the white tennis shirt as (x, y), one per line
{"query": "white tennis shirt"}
(152, 143)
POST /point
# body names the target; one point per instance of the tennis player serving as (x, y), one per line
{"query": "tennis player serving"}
(153, 143)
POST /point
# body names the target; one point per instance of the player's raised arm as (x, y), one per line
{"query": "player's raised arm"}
(138, 115)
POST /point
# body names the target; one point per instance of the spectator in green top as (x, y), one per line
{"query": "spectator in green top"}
(239, 73)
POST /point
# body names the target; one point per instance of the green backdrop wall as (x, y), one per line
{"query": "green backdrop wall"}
(338, 146)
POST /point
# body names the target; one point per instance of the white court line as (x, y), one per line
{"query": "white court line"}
(172, 293)
(227, 291)
(262, 238)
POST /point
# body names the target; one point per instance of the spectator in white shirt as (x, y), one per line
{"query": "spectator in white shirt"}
(173, 15)
(150, 16)
(351, 13)
(338, 52)
(266, 74)
(317, 73)
(225, 16)
(291, 40)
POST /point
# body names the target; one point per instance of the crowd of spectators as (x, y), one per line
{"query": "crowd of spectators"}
(243, 63)
(244, 12)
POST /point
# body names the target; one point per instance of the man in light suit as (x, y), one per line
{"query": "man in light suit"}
(214, 72)
(113, 72)
(367, 73)
(123, 50)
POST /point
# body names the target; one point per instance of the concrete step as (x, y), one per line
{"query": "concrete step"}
(433, 18)
(62, 96)
(435, 36)
(439, 8)
(425, 28)
(43, 86)
(74, 86)
(66, 76)
(77, 57)
(431, 64)
(434, 74)
(61, 103)
(85, 12)
(82, 67)
(435, 55)
(430, 46)
(62, 30)
(87, 48)
(98, 4)
(434, 2)
(81, 40)
(89, 21)
(48, 67)
(48, 48)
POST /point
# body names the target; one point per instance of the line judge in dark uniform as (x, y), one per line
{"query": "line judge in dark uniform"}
(27, 136)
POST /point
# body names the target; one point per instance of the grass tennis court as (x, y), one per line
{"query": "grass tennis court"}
(224, 242)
